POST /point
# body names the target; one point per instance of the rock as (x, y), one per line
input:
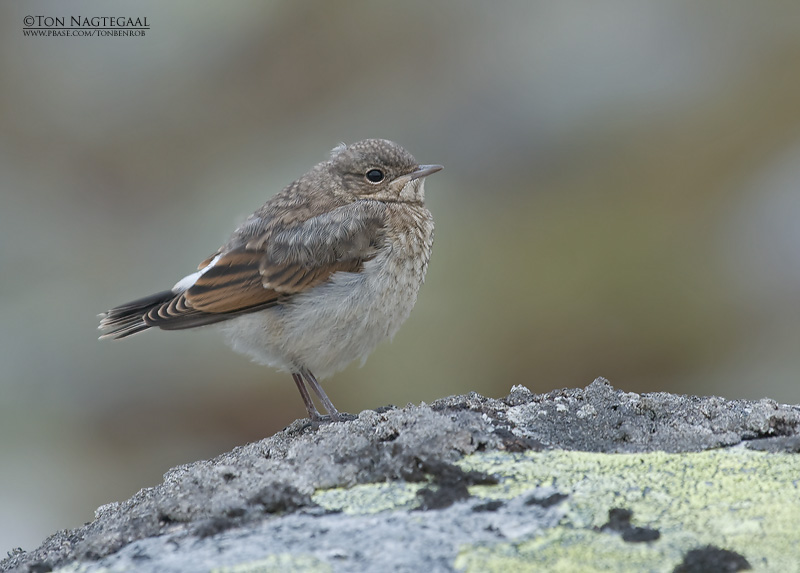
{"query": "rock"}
(592, 475)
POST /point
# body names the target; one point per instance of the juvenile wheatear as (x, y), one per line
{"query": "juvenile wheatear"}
(317, 277)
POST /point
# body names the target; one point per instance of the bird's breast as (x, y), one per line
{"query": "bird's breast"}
(345, 318)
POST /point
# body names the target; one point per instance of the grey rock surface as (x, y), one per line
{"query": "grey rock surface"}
(258, 497)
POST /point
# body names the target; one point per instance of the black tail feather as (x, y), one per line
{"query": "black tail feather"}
(128, 319)
(136, 316)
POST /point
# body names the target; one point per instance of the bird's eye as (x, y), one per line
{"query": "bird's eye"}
(375, 176)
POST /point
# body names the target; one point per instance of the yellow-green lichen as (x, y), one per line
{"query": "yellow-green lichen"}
(369, 498)
(736, 499)
(279, 563)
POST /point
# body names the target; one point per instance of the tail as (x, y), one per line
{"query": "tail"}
(127, 319)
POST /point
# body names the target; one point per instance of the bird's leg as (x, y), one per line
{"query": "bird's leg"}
(326, 402)
(313, 414)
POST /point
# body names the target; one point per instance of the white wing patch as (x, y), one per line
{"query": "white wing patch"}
(186, 282)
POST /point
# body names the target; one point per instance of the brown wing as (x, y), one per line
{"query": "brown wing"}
(289, 259)
(232, 283)
(292, 244)
(267, 261)
(243, 279)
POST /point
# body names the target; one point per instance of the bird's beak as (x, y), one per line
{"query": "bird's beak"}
(424, 171)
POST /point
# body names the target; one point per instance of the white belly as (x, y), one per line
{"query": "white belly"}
(335, 323)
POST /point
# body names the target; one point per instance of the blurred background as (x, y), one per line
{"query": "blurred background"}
(620, 198)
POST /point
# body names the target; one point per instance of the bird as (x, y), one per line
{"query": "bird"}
(317, 277)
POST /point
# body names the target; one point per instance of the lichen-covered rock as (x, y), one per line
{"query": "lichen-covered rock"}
(521, 483)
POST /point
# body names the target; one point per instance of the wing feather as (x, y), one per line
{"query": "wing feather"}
(293, 243)
(283, 260)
